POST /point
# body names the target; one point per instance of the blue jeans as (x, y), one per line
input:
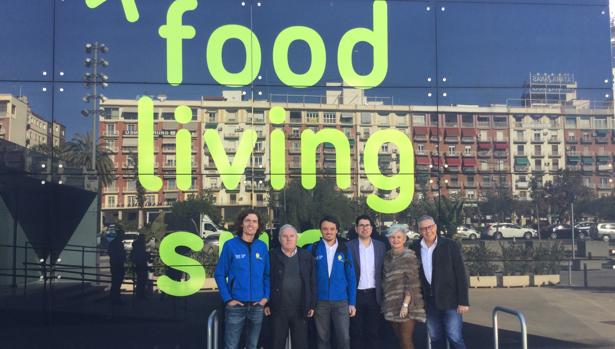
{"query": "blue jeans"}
(443, 325)
(234, 319)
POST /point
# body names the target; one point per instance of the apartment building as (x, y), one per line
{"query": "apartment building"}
(462, 150)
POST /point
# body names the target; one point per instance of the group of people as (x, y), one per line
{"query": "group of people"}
(345, 288)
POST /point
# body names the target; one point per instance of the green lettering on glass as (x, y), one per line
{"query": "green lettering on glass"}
(194, 269)
(404, 180)
(277, 148)
(318, 54)
(175, 32)
(214, 55)
(130, 8)
(230, 173)
(145, 145)
(310, 141)
(378, 38)
(183, 149)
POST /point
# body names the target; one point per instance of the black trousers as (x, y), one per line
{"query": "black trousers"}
(117, 277)
(365, 326)
(284, 319)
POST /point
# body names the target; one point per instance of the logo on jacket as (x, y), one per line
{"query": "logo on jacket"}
(319, 257)
(339, 258)
(258, 255)
(240, 256)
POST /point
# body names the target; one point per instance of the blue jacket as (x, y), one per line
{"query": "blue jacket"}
(242, 272)
(342, 285)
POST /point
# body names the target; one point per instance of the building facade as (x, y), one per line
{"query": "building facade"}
(463, 150)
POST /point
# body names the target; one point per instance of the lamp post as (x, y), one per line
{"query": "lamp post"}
(92, 80)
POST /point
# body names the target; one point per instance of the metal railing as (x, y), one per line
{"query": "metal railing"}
(212, 330)
(514, 312)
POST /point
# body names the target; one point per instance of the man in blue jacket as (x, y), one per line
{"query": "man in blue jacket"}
(242, 275)
(336, 286)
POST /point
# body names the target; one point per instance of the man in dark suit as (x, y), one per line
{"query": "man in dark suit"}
(368, 256)
(445, 285)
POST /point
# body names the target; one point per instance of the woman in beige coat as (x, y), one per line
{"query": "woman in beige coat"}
(403, 302)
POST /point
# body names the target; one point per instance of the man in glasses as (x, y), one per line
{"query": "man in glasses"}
(445, 285)
(367, 256)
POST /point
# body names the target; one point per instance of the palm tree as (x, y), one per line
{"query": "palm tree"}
(78, 152)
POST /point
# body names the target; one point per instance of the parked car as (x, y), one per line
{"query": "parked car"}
(604, 231)
(583, 229)
(129, 238)
(564, 231)
(509, 230)
(467, 232)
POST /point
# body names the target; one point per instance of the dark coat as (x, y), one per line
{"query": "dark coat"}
(308, 279)
(379, 251)
(449, 280)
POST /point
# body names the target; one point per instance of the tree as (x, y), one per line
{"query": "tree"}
(567, 187)
(185, 215)
(498, 203)
(603, 208)
(447, 212)
(78, 152)
(305, 208)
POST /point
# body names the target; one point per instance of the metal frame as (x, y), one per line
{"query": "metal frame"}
(212, 330)
(519, 316)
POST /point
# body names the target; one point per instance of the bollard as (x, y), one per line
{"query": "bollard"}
(569, 272)
(585, 275)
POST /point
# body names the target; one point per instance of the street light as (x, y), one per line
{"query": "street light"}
(92, 80)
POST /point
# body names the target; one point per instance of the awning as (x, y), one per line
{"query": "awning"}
(421, 130)
(588, 160)
(468, 132)
(469, 162)
(433, 131)
(422, 160)
(601, 133)
(501, 146)
(484, 145)
(452, 132)
(574, 159)
(602, 158)
(436, 161)
(521, 161)
(454, 162)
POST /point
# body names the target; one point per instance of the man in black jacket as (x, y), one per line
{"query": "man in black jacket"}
(445, 285)
(293, 290)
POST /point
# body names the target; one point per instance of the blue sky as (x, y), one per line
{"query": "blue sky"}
(485, 50)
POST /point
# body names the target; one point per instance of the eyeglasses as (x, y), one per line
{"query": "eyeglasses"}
(427, 228)
(364, 225)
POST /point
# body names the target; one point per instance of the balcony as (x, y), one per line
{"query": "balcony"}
(294, 165)
(467, 139)
(602, 140)
(521, 168)
(453, 185)
(554, 140)
(538, 154)
(539, 169)
(605, 167)
(500, 124)
(571, 140)
(484, 153)
(537, 139)
(111, 133)
(603, 186)
(255, 187)
(519, 140)
(573, 167)
(500, 154)
(231, 135)
(230, 150)
(468, 169)
(587, 168)
(554, 154)
(470, 185)
(522, 185)
(586, 140)
(486, 185)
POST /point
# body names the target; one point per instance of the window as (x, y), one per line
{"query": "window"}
(168, 116)
(111, 201)
(420, 148)
(212, 116)
(385, 148)
(233, 198)
(467, 150)
(383, 118)
(311, 117)
(366, 118)
(129, 115)
(584, 122)
(295, 114)
(571, 122)
(295, 132)
(555, 164)
(499, 136)
(600, 123)
(467, 120)
(470, 180)
(450, 120)
(537, 149)
(483, 136)
(519, 135)
(131, 128)
(520, 148)
(433, 120)
(329, 118)
(418, 120)
(258, 161)
(132, 201)
(451, 150)
(171, 183)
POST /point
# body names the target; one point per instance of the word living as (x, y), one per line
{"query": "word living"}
(231, 172)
